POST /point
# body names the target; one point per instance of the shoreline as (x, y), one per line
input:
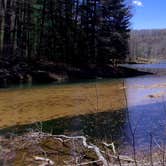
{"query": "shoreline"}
(45, 73)
(38, 148)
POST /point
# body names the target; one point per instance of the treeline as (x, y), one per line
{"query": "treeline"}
(150, 44)
(77, 32)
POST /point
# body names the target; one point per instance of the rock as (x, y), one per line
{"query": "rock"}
(58, 77)
(157, 95)
(4, 78)
(42, 77)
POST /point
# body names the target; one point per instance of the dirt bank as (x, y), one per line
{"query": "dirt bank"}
(48, 72)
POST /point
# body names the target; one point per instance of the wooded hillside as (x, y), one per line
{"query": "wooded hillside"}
(148, 44)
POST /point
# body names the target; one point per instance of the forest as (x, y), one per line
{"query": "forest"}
(73, 33)
(148, 44)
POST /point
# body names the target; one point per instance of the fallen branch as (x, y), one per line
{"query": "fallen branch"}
(115, 156)
(87, 163)
(112, 145)
(91, 146)
(46, 160)
(99, 153)
(121, 157)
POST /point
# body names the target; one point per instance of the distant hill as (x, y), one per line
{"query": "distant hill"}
(148, 44)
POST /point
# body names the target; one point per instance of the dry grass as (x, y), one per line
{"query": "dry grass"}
(40, 104)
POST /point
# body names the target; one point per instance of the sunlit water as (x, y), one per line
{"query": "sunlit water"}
(145, 116)
(146, 100)
(147, 109)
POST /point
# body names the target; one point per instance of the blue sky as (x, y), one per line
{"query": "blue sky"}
(148, 14)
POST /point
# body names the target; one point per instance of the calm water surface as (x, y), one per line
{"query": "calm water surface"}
(145, 115)
(146, 109)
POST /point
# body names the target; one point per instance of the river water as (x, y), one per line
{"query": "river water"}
(146, 100)
(144, 118)
(147, 109)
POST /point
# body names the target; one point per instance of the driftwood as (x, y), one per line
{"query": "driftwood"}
(99, 153)
(87, 163)
(64, 138)
(116, 156)
(91, 146)
(45, 161)
(104, 155)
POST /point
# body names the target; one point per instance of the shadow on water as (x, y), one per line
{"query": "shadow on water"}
(148, 120)
(58, 83)
(109, 126)
(105, 125)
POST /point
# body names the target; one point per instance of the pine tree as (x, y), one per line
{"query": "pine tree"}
(73, 32)
(114, 31)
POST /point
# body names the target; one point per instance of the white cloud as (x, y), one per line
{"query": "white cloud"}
(137, 3)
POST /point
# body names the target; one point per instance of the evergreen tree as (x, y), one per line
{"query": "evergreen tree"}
(73, 32)
(114, 32)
